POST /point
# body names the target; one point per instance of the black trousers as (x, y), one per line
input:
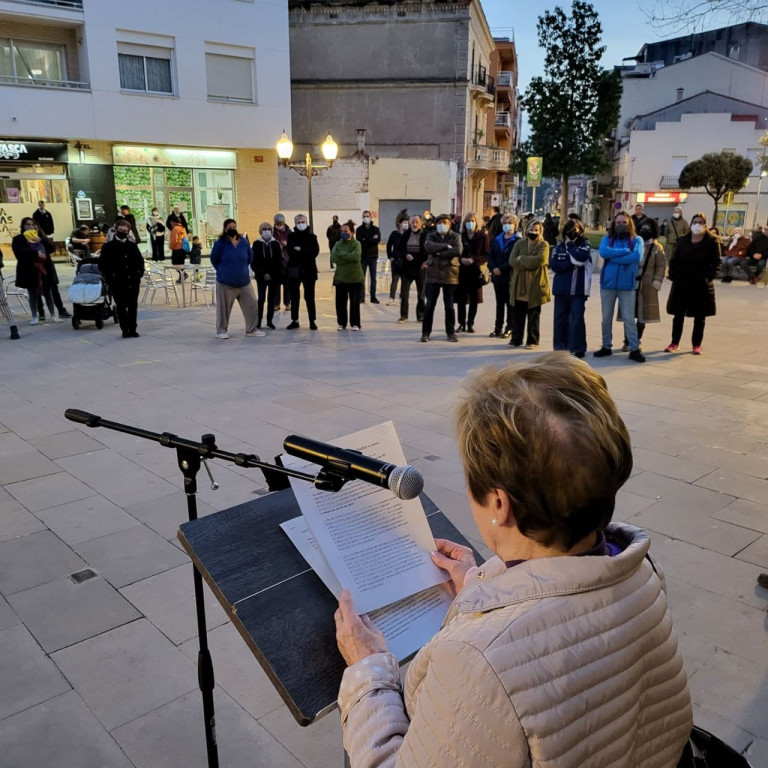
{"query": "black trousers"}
(466, 299)
(348, 293)
(698, 329)
(127, 303)
(521, 313)
(406, 281)
(295, 285)
(433, 292)
(158, 248)
(503, 307)
(268, 291)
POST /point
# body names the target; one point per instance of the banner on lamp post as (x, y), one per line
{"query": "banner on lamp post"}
(534, 168)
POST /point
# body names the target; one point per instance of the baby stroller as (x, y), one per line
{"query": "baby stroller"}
(89, 295)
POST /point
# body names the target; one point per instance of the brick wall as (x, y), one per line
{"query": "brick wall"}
(46, 34)
(256, 189)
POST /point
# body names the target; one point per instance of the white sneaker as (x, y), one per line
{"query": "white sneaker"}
(355, 328)
(56, 318)
(33, 321)
(257, 332)
(224, 335)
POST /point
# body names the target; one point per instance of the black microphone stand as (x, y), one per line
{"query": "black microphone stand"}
(189, 456)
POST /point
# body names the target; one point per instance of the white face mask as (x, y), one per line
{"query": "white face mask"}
(697, 229)
(266, 235)
(301, 226)
(442, 228)
(677, 215)
(366, 219)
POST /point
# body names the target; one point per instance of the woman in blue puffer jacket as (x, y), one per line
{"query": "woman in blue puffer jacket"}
(621, 250)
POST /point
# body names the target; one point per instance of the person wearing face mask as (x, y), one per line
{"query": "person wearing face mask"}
(395, 267)
(756, 256)
(498, 263)
(31, 249)
(412, 257)
(529, 285)
(267, 269)
(622, 251)
(474, 252)
(650, 276)
(571, 262)
(176, 244)
(735, 253)
(122, 266)
(231, 257)
(692, 272)
(550, 231)
(678, 227)
(443, 248)
(280, 232)
(302, 249)
(348, 277)
(333, 233)
(369, 236)
(156, 230)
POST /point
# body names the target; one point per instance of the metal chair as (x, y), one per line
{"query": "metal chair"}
(205, 285)
(155, 279)
(11, 291)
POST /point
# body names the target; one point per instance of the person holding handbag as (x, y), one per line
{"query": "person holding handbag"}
(156, 230)
(474, 256)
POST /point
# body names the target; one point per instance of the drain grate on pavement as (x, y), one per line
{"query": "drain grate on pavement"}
(80, 576)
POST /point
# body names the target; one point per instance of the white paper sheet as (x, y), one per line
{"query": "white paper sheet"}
(407, 624)
(376, 544)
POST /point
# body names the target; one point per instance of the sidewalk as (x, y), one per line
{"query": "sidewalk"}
(101, 674)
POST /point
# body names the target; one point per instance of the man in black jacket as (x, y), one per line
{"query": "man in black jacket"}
(179, 215)
(411, 257)
(757, 254)
(302, 247)
(44, 220)
(369, 236)
(122, 266)
(125, 212)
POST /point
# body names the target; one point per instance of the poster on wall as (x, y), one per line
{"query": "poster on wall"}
(12, 195)
(730, 218)
(84, 209)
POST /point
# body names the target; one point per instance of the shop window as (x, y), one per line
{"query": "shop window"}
(146, 69)
(30, 63)
(230, 78)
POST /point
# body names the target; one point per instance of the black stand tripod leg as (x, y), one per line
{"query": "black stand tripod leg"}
(189, 463)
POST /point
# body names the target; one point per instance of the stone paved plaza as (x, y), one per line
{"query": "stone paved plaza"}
(102, 674)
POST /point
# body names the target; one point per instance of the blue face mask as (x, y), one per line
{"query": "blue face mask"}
(345, 235)
(507, 227)
(470, 225)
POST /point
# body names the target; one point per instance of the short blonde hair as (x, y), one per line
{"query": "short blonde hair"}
(548, 434)
(509, 218)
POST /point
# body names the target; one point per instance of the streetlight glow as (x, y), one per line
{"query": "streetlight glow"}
(284, 147)
(330, 149)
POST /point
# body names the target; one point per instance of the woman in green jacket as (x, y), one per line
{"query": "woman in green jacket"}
(348, 277)
(529, 286)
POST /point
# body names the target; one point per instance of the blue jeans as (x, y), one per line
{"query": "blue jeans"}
(45, 292)
(627, 307)
(370, 265)
(570, 332)
(729, 262)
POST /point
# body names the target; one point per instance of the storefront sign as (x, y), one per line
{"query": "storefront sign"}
(14, 150)
(662, 197)
(171, 157)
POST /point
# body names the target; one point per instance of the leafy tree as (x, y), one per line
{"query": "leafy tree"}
(718, 173)
(574, 106)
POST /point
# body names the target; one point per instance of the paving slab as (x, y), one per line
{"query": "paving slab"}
(27, 675)
(166, 514)
(35, 559)
(49, 491)
(15, 521)
(127, 672)
(173, 736)
(746, 514)
(59, 732)
(756, 553)
(63, 612)
(24, 466)
(736, 484)
(131, 555)
(86, 519)
(65, 444)
(7, 616)
(168, 601)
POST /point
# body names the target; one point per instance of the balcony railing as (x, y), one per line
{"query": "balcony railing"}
(43, 82)
(669, 182)
(481, 78)
(493, 158)
(505, 79)
(504, 119)
(74, 4)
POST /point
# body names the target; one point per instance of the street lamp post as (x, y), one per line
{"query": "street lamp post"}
(308, 168)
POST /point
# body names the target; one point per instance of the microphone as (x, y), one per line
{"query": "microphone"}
(405, 482)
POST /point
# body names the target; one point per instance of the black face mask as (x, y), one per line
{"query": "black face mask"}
(533, 236)
(645, 234)
(622, 229)
(232, 232)
(122, 236)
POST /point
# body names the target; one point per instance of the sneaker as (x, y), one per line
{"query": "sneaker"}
(271, 326)
(580, 355)
(402, 320)
(698, 351)
(342, 328)
(56, 318)
(603, 352)
(355, 327)
(257, 332)
(419, 319)
(33, 321)
(374, 300)
(531, 346)
(494, 335)
(64, 314)
(313, 326)
(425, 338)
(223, 335)
(293, 326)
(390, 303)
(762, 580)
(506, 335)
(453, 337)
(42, 318)
(14, 332)
(637, 356)
(672, 348)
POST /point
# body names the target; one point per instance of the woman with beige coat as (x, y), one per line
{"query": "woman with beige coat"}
(529, 287)
(559, 650)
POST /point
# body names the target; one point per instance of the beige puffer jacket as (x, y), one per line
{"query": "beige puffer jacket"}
(567, 662)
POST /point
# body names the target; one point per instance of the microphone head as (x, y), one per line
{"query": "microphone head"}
(406, 482)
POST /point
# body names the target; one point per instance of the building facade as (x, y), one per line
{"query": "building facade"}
(103, 105)
(397, 83)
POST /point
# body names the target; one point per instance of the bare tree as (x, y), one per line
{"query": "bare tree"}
(694, 15)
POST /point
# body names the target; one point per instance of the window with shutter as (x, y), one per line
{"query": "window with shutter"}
(230, 78)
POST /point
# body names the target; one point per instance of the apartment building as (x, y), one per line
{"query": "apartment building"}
(104, 103)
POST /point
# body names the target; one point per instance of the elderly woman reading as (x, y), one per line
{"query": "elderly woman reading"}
(558, 651)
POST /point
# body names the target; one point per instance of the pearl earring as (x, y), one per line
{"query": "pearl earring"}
(494, 521)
